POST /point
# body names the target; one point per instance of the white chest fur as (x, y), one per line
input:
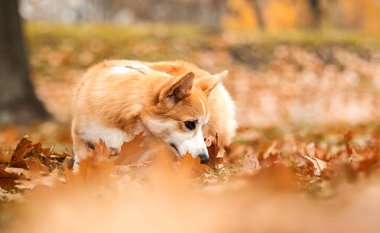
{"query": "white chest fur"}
(113, 137)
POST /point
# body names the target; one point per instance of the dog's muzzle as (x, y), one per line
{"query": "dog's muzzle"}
(204, 158)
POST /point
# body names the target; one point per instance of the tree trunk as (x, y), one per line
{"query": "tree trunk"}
(316, 12)
(18, 102)
(259, 14)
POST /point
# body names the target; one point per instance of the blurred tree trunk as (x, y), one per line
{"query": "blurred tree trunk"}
(315, 7)
(259, 14)
(18, 102)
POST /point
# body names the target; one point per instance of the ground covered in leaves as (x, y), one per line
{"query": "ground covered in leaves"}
(305, 158)
(289, 182)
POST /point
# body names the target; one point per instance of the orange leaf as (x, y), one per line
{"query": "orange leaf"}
(5, 156)
(213, 149)
(35, 165)
(347, 139)
(94, 169)
(130, 151)
(23, 147)
(192, 164)
(8, 179)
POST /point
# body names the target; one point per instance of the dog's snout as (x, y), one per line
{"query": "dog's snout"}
(204, 158)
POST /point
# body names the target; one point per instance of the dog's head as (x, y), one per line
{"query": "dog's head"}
(180, 111)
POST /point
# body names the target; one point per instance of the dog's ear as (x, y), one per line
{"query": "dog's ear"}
(209, 83)
(177, 89)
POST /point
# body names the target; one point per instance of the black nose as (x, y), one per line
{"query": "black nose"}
(204, 158)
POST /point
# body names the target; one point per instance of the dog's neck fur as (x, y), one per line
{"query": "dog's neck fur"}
(129, 118)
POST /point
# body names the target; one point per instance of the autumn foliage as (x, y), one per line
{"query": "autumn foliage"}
(279, 16)
(305, 158)
(250, 185)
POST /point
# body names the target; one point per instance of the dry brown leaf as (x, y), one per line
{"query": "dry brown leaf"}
(213, 150)
(35, 166)
(39, 150)
(268, 161)
(23, 147)
(93, 170)
(29, 184)
(5, 155)
(271, 150)
(365, 160)
(59, 157)
(278, 177)
(347, 139)
(130, 151)
(8, 179)
(319, 165)
(188, 163)
(250, 162)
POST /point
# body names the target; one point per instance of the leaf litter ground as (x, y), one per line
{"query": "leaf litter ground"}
(261, 177)
(305, 159)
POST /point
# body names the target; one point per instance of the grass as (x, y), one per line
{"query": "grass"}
(192, 36)
(78, 46)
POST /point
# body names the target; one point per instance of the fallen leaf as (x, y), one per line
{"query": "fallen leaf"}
(5, 155)
(93, 170)
(347, 138)
(35, 165)
(22, 148)
(213, 150)
(188, 163)
(271, 150)
(250, 162)
(8, 178)
(130, 151)
(319, 165)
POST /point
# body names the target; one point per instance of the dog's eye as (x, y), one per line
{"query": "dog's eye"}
(191, 124)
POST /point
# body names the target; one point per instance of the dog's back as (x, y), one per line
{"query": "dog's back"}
(112, 94)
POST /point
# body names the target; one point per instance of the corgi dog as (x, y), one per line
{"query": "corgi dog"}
(174, 101)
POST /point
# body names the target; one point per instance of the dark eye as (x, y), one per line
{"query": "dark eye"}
(191, 124)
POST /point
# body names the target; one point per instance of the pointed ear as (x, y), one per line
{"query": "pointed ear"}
(209, 83)
(177, 89)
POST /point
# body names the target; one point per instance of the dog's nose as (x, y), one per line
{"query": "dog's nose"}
(204, 158)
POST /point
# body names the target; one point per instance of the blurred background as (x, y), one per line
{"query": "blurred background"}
(242, 15)
(292, 63)
(305, 77)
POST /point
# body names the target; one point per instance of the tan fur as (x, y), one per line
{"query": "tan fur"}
(122, 100)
